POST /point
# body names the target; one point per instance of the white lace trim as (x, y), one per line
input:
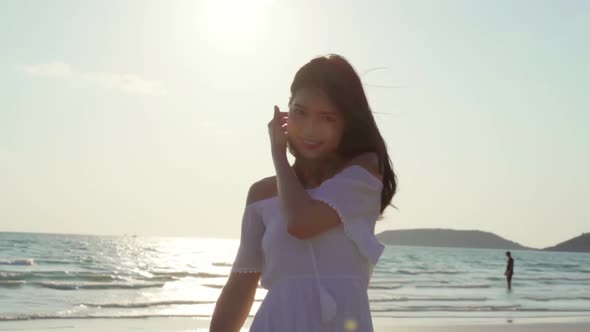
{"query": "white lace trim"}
(344, 223)
(330, 204)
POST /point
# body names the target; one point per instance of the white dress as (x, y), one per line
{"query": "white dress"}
(319, 284)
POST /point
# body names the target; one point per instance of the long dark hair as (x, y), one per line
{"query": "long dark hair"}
(334, 76)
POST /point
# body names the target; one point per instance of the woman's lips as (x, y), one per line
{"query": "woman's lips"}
(310, 145)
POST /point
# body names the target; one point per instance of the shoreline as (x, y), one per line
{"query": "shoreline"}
(381, 324)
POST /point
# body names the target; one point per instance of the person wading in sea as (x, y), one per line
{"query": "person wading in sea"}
(509, 270)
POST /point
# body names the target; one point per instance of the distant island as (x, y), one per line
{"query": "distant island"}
(427, 237)
(578, 244)
(448, 238)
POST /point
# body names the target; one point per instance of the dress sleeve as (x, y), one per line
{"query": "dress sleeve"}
(249, 258)
(355, 195)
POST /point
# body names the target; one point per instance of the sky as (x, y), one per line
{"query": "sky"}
(149, 117)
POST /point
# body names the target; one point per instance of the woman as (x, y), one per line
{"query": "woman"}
(308, 232)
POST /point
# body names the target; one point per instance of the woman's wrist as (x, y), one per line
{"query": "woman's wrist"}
(279, 154)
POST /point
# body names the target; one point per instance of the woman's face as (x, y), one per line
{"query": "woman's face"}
(314, 125)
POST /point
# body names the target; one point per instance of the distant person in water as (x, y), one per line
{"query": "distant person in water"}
(509, 270)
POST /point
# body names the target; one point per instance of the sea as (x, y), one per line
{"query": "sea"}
(53, 276)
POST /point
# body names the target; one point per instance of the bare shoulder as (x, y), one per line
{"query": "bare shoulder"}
(369, 161)
(262, 189)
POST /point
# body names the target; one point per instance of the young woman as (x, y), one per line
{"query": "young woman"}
(308, 233)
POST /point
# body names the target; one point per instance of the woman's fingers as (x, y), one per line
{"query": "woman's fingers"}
(278, 110)
(280, 117)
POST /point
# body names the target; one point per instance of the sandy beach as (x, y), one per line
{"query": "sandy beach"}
(381, 325)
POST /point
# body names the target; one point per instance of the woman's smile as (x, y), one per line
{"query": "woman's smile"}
(310, 145)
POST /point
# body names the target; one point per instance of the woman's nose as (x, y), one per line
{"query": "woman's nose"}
(308, 129)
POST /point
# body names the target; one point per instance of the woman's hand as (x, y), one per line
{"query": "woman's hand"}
(277, 130)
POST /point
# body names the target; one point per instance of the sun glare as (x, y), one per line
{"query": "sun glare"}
(236, 23)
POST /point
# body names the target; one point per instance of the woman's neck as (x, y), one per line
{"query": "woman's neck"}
(312, 173)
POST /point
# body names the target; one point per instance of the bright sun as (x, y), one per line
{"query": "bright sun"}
(236, 22)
